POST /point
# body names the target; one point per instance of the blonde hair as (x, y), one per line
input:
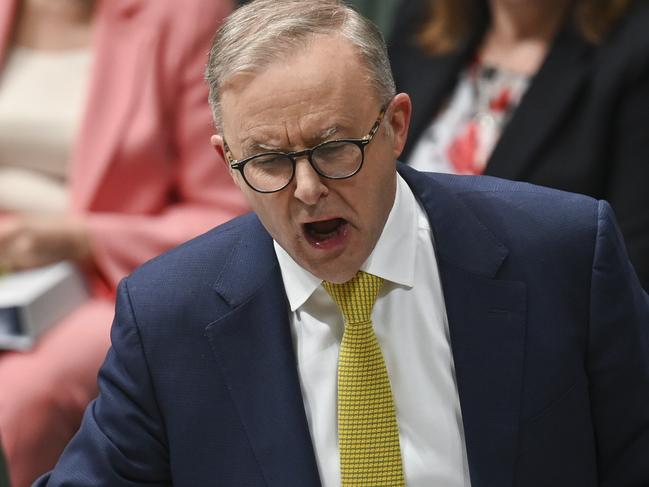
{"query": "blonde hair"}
(449, 22)
(266, 31)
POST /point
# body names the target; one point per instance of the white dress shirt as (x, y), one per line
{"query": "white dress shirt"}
(411, 325)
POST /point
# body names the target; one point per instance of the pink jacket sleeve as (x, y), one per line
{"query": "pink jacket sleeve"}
(197, 191)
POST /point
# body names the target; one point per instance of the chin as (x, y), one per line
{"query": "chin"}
(336, 272)
(338, 265)
(340, 277)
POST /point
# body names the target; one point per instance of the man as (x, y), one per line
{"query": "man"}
(508, 345)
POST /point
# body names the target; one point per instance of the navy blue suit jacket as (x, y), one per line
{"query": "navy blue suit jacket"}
(549, 330)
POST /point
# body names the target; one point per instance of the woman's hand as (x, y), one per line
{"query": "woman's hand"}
(28, 241)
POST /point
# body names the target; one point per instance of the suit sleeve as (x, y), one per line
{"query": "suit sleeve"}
(121, 442)
(618, 361)
(203, 194)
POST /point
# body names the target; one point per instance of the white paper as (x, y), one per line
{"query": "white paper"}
(35, 300)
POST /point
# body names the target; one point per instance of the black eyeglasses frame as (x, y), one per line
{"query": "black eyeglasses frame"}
(293, 156)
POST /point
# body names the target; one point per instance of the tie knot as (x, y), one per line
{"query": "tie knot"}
(355, 298)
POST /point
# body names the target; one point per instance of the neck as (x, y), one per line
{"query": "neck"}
(514, 21)
(520, 33)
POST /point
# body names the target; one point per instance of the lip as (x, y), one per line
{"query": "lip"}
(336, 241)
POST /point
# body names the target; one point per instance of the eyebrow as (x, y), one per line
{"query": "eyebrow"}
(251, 147)
(327, 133)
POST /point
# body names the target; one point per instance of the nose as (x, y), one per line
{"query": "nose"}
(309, 187)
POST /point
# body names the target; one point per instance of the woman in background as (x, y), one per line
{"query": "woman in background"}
(554, 92)
(105, 161)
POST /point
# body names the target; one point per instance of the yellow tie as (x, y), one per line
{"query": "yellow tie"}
(368, 435)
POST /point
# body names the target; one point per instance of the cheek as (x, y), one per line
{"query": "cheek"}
(379, 199)
(271, 210)
(241, 184)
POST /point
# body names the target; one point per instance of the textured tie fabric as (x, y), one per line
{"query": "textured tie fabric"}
(368, 435)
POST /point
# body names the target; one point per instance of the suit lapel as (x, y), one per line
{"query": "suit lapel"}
(254, 350)
(487, 329)
(428, 79)
(121, 46)
(428, 89)
(431, 79)
(562, 75)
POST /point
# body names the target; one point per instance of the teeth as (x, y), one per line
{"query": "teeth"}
(324, 236)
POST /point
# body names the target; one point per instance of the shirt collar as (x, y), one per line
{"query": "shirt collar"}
(393, 257)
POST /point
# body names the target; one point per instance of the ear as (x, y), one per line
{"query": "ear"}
(399, 119)
(217, 142)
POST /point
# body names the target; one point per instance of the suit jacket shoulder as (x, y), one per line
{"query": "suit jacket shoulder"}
(518, 215)
(211, 273)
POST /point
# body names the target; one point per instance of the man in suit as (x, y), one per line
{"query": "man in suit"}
(509, 339)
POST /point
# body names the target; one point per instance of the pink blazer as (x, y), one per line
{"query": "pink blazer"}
(143, 172)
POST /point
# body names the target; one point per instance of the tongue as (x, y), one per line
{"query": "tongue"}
(325, 227)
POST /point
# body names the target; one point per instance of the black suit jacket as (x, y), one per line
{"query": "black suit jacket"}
(548, 325)
(582, 126)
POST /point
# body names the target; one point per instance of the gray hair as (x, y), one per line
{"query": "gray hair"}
(266, 31)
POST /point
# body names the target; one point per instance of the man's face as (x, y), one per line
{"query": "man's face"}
(329, 227)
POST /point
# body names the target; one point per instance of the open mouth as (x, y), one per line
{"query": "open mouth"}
(326, 233)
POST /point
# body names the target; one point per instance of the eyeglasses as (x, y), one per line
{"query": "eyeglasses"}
(269, 172)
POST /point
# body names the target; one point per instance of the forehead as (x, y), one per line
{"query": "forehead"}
(310, 91)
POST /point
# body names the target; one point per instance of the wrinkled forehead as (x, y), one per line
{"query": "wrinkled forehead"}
(341, 55)
(258, 57)
(284, 51)
(321, 85)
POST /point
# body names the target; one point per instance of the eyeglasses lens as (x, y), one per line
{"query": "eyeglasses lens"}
(337, 159)
(271, 172)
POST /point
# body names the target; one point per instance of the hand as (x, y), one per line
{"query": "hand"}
(28, 241)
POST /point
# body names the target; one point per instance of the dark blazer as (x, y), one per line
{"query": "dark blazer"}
(582, 126)
(548, 324)
(4, 476)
